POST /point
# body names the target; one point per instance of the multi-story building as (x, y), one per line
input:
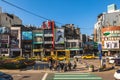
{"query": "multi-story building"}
(107, 30)
(7, 19)
(15, 41)
(72, 39)
(27, 40)
(38, 43)
(49, 35)
(4, 41)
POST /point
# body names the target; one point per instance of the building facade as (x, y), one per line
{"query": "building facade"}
(15, 41)
(73, 41)
(6, 19)
(48, 37)
(38, 43)
(106, 31)
(4, 41)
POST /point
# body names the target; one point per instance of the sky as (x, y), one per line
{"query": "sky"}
(81, 13)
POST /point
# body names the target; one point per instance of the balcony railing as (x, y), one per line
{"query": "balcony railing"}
(48, 42)
(48, 35)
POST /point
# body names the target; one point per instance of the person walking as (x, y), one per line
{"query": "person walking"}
(74, 65)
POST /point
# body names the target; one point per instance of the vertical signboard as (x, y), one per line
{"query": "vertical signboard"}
(59, 36)
(14, 39)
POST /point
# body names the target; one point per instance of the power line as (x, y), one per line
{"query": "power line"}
(33, 13)
(28, 11)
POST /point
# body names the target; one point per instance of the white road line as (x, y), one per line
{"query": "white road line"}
(45, 76)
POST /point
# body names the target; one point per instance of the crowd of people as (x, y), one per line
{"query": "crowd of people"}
(62, 66)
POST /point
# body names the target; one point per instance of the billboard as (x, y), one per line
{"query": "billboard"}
(111, 44)
(47, 25)
(4, 30)
(27, 35)
(59, 36)
(14, 39)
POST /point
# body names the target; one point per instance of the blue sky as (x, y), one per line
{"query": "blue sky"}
(82, 13)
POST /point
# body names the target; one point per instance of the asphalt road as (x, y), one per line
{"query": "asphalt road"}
(38, 74)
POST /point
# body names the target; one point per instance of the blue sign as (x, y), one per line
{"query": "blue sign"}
(27, 35)
(99, 47)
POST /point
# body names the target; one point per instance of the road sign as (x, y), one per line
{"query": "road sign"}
(99, 47)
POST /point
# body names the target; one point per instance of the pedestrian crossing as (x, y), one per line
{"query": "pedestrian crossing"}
(75, 76)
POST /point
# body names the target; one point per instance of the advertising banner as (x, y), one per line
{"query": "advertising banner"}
(27, 35)
(111, 44)
(14, 39)
(47, 25)
(4, 30)
(59, 36)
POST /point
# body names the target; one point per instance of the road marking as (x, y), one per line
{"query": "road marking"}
(80, 78)
(76, 76)
(16, 75)
(45, 76)
(71, 73)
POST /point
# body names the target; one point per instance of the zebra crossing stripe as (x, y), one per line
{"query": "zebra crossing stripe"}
(70, 73)
(82, 78)
(75, 76)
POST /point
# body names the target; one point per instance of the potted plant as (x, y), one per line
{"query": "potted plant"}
(91, 68)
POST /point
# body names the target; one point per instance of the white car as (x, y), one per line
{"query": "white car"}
(111, 59)
(78, 56)
(117, 75)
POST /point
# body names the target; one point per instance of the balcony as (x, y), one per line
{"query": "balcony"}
(48, 35)
(48, 42)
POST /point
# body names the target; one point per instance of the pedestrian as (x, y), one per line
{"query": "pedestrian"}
(69, 66)
(62, 66)
(74, 65)
(50, 63)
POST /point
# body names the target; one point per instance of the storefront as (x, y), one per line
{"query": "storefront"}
(38, 53)
(15, 52)
(75, 51)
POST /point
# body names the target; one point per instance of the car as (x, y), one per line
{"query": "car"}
(61, 58)
(89, 56)
(4, 76)
(78, 56)
(117, 75)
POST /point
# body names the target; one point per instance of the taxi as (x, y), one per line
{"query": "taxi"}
(89, 56)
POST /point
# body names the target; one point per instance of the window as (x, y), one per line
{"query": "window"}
(38, 39)
(37, 46)
(48, 31)
(68, 44)
(48, 39)
(73, 44)
(4, 37)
